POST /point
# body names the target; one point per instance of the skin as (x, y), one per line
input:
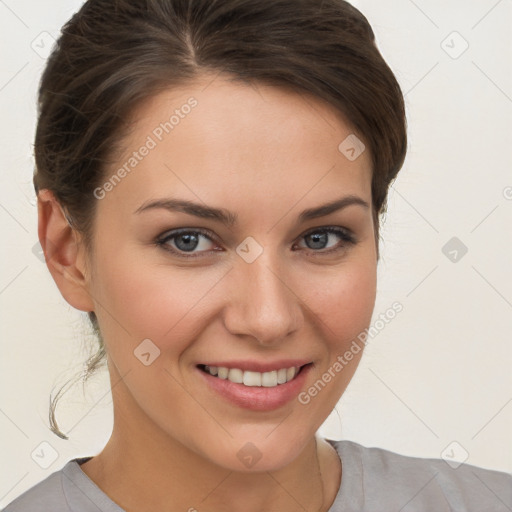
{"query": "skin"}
(265, 154)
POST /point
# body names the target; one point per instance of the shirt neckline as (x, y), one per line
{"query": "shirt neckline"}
(350, 494)
(76, 484)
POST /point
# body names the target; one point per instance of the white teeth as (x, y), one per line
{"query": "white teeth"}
(236, 375)
(269, 379)
(290, 373)
(254, 379)
(222, 372)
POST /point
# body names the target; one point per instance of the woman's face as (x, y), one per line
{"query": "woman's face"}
(211, 248)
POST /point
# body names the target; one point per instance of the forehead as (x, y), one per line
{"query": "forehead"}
(218, 139)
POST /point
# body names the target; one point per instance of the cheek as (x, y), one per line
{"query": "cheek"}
(342, 309)
(162, 303)
(344, 303)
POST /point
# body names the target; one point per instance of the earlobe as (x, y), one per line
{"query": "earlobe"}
(63, 251)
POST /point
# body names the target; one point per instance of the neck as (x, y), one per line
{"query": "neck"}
(159, 473)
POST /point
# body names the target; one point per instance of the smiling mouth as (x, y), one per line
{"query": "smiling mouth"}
(254, 379)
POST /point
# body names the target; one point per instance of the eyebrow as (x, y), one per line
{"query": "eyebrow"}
(229, 219)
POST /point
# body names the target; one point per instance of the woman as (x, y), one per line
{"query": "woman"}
(210, 176)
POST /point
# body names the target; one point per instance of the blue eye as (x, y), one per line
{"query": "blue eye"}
(325, 238)
(186, 241)
(191, 243)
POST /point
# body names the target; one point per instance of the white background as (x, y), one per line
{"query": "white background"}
(439, 372)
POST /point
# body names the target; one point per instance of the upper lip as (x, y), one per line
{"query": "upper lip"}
(259, 366)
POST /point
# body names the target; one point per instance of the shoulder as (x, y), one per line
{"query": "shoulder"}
(390, 479)
(46, 495)
(66, 490)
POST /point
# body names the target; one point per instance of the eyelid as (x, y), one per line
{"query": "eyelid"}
(178, 231)
(173, 233)
(329, 228)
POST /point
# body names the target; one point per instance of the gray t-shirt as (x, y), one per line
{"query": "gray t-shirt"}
(373, 480)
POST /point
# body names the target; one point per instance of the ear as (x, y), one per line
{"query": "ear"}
(64, 255)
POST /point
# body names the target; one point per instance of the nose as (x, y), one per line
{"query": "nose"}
(262, 303)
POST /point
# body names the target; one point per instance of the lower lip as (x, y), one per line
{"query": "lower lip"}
(257, 398)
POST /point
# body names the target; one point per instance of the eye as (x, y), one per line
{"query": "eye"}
(190, 243)
(182, 241)
(330, 238)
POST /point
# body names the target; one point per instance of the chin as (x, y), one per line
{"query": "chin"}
(262, 451)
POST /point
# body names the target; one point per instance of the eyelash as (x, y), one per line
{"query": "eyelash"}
(346, 237)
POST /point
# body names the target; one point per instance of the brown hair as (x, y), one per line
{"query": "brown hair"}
(112, 54)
